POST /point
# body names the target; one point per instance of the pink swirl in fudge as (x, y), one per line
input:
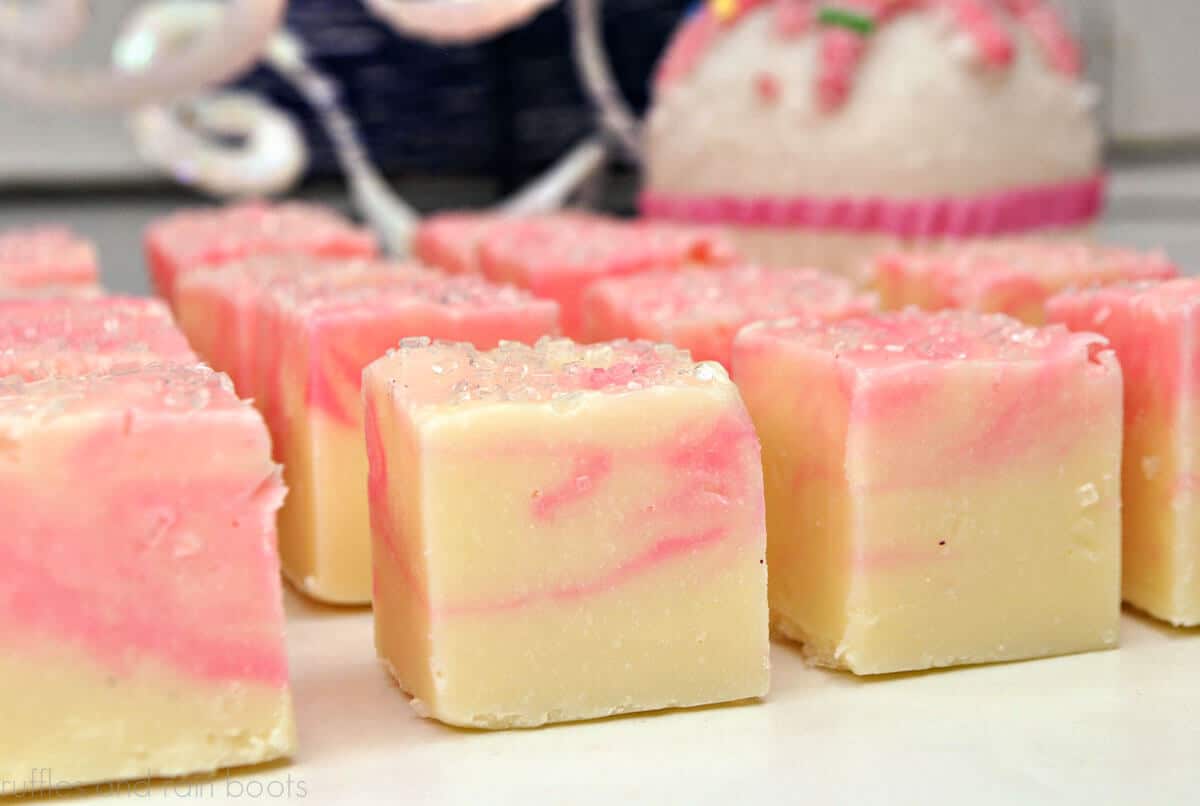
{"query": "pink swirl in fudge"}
(895, 371)
(702, 475)
(165, 553)
(701, 311)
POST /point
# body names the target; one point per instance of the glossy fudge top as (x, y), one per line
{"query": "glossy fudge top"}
(218, 234)
(152, 389)
(917, 337)
(425, 373)
(594, 245)
(375, 286)
(741, 294)
(62, 336)
(1057, 263)
(45, 256)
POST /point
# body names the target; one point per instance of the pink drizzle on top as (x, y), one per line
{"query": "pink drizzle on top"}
(842, 50)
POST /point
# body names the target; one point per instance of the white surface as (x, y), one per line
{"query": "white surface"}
(1112, 727)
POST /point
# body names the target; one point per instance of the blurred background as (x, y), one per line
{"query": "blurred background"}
(461, 125)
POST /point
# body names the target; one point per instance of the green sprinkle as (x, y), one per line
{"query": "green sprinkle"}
(842, 18)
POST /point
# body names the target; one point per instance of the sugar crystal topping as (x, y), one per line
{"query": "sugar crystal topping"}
(916, 336)
(39, 338)
(558, 371)
(155, 387)
(381, 284)
(243, 228)
(738, 294)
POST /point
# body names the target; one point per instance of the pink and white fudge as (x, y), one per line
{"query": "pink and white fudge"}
(1014, 276)
(141, 619)
(318, 333)
(193, 240)
(564, 532)
(40, 338)
(703, 310)
(47, 260)
(450, 241)
(218, 309)
(1155, 330)
(559, 258)
(942, 489)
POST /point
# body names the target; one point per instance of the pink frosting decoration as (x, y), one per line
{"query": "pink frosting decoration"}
(842, 49)
(1054, 206)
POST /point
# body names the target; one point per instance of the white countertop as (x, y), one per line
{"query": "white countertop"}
(1119, 727)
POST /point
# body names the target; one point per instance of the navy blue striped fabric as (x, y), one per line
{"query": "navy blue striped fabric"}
(504, 107)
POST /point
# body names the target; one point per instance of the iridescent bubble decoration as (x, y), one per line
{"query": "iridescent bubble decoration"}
(31, 34)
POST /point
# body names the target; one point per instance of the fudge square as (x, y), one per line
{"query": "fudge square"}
(46, 260)
(450, 241)
(218, 309)
(702, 310)
(140, 600)
(942, 489)
(1014, 276)
(192, 240)
(40, 338)
(558, 258)
(564, 533)
(1155, 330)
(318, 333)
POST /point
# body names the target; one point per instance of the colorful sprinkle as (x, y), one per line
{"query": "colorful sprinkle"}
(836, 17)
(846, 25)
(724, 10)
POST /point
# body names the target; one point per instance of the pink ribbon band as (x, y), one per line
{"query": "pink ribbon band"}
(1058, 206)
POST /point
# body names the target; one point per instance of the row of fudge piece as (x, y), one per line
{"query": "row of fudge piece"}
(570, 531)
(295, 333)
(139, 499)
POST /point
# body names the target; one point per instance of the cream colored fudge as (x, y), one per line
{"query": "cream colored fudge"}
(317, 335)
(218, 309)
(1155, 330)
(141, 619)
(563, 533)
(942, 489)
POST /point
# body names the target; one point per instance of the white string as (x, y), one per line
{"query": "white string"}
(591, 60)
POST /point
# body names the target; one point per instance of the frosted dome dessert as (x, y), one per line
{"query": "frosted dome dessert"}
(820, 133)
